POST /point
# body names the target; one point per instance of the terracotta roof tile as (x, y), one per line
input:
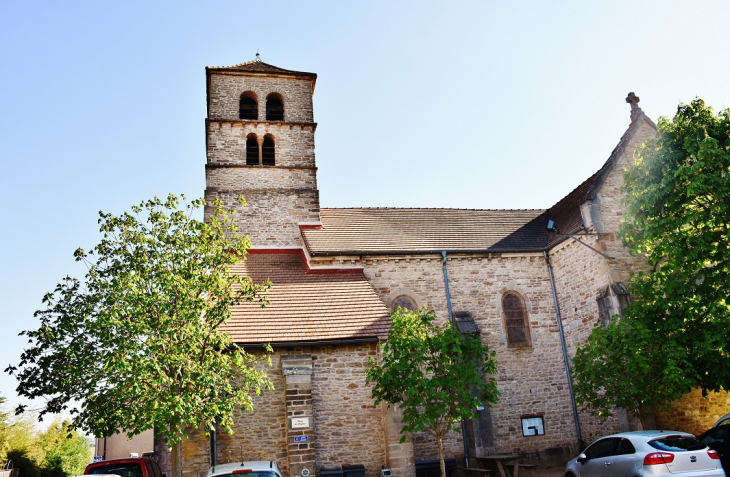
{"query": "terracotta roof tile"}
(305, 306)
(386, 230)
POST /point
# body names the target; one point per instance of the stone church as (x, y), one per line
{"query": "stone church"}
(531, 282)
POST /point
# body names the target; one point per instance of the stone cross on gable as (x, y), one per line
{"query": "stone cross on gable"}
(636, 111)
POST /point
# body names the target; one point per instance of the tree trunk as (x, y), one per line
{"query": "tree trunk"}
(441, 456)
(176, 457)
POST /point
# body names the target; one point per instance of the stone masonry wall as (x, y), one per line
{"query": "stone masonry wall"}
(579, 275)
(272, 215)
(580, 272)
(293, 143)
(347, 427)
(226, 89)
(612, 210)
(257, 435)
(532, 380)
(693, 413)
(260, 177)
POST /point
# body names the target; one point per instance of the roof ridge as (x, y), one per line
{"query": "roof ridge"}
(258, 66)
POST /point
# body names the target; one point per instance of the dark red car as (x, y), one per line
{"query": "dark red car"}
(128, 467)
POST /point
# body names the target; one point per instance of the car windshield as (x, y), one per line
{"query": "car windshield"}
(677, 444)
(131, 469)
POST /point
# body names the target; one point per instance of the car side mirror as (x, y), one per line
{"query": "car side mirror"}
(582, 458)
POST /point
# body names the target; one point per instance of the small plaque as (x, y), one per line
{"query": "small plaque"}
(305, 472)
(301, 438)
(299, 422)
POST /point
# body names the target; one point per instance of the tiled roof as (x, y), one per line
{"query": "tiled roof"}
(566, 213)
(257, 66)
(386, 230)
(305, 307)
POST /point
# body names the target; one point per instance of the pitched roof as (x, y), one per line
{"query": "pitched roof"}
(257, 66)
(305, 307)
(566, 212)
(390, 230)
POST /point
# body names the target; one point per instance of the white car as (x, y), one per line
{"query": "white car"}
(646, 453)
(253, 468)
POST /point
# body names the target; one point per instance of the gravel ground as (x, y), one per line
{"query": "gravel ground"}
(554, 472)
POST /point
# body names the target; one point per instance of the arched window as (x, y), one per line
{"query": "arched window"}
(252, 150)
(404, 301)
(515, 321)
(268, 151)
(248, 106)
(274, 107)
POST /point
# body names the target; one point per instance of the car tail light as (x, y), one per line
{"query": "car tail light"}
(658, 458)
(713, 454)
(242, 471)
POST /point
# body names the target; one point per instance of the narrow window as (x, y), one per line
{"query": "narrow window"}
(612, 300)
(248, 107)
(515, 320)
(268, 151)
(465, 323)
(274, 107)
(252, 150)
(622, 294)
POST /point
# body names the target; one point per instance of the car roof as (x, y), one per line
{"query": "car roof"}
(121, 460)
(649, 434)
(255, 465)
(723, 418)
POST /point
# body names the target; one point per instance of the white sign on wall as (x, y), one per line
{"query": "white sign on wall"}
(299, 422)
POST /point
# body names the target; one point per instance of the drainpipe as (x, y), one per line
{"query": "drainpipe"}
(214, 447)
(453, 325)
(562, 343)
(448, 294)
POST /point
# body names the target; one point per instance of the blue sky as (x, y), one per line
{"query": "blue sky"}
(466, 104)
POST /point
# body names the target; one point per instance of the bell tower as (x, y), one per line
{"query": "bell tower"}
(260, 144)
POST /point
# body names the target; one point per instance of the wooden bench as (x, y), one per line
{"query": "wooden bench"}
(530, 468)
(478, 471)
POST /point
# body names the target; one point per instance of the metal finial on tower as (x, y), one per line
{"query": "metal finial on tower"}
(258, 56)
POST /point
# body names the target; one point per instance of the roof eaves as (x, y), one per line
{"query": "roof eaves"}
(325, 253)
(283, 344)
(604, 171)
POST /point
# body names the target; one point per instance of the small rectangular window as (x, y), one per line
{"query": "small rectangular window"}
(533, 426)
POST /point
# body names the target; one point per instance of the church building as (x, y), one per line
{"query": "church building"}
(532, 283)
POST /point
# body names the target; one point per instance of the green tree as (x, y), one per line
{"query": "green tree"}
(61, 452)
(678, 209)
(434, 374)
(628, 366)
(137, 344)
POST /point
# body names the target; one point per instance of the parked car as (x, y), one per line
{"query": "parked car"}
(253, 468)
(127, 467)
(724, 421)
(718, 438)
(646, 453)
